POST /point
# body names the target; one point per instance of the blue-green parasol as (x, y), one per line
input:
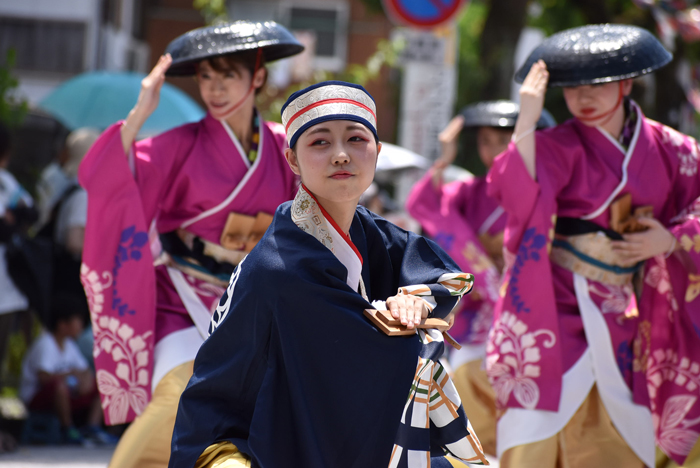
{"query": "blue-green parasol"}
(98, 99)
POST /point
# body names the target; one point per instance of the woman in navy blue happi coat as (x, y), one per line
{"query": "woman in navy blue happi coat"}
(293, 373)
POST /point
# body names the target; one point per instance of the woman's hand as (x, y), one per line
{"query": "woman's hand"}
(147, 101)
(151, 85)
(638, 246)
(532, 94)
(448, 143)
(409, 309)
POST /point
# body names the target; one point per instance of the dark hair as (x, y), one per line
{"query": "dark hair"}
(248, 59)
(64, 307)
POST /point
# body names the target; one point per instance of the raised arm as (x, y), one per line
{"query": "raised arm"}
(532, 95)
(147, 102)
(448, 145)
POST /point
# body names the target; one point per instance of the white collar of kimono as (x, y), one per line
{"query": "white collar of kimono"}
(625, 163)
(311, 218)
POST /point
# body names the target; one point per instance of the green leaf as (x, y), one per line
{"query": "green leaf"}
(12, 109)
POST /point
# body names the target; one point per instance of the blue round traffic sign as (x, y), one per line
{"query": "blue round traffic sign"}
(422, 13)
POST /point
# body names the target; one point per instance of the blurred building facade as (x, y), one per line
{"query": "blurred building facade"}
(55, 40)
(338, 33)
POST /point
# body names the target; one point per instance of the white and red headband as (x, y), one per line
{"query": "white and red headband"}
(329, 100)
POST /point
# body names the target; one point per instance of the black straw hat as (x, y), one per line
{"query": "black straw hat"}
(194, 46)
(500, 114)
(598, 53)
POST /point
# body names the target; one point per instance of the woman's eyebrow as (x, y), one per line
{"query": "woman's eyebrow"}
(319, 130)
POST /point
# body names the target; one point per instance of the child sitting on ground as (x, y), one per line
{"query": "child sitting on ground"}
(56, 377)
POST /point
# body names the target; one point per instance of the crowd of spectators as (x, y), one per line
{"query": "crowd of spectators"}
(57, 373)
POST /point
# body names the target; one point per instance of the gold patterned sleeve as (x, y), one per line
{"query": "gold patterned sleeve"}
(222, 455)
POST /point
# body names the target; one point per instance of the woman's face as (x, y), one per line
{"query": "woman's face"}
(588, 101)
(336, 160)
(491, 142)
(222, 91)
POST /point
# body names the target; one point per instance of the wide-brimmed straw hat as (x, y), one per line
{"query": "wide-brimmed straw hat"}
(194, 46)
(599, 53)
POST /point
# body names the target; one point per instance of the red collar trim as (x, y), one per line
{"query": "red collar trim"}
(335, 225)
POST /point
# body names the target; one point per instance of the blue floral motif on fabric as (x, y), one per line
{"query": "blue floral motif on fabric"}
(131, 242)
(528, 251)
(625, 357)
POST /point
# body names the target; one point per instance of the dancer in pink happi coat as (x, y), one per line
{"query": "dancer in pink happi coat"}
(207, 191)
(469, 225)
(595, 350)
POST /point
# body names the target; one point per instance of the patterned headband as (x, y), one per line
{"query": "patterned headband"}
(329, 100)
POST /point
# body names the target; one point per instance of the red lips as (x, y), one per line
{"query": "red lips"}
(587, 110)
(341, 175)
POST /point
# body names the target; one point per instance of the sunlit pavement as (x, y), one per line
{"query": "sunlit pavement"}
(34, 456)
(69, 457)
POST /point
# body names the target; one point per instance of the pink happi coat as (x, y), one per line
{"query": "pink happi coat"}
(190, 177)
(453, 215)
(555, 333)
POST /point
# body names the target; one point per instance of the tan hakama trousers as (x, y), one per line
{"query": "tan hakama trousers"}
(479, 402)
(691, 461)
(146, 443)
(588, 440)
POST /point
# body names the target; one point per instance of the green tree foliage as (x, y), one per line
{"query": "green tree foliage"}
(212, 10)
(373, 6)
(555, 15)
(471, 75)
(481, 76)
(12, 109)
(387, 53)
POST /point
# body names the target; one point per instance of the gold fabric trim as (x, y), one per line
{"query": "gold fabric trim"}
(240, 234)
(222, 455)
(493, 245)
(243, 232)
(595, 245)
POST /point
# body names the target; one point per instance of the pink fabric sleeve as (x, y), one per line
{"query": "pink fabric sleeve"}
(682, 154)
(118, 277)
(669, 332)
(280, 137)
(511, 184)
(432, 206)
(528, 302)
(686, 225)
(441, 213)
(155, 162)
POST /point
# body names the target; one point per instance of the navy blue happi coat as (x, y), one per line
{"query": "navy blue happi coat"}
(293, 374)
